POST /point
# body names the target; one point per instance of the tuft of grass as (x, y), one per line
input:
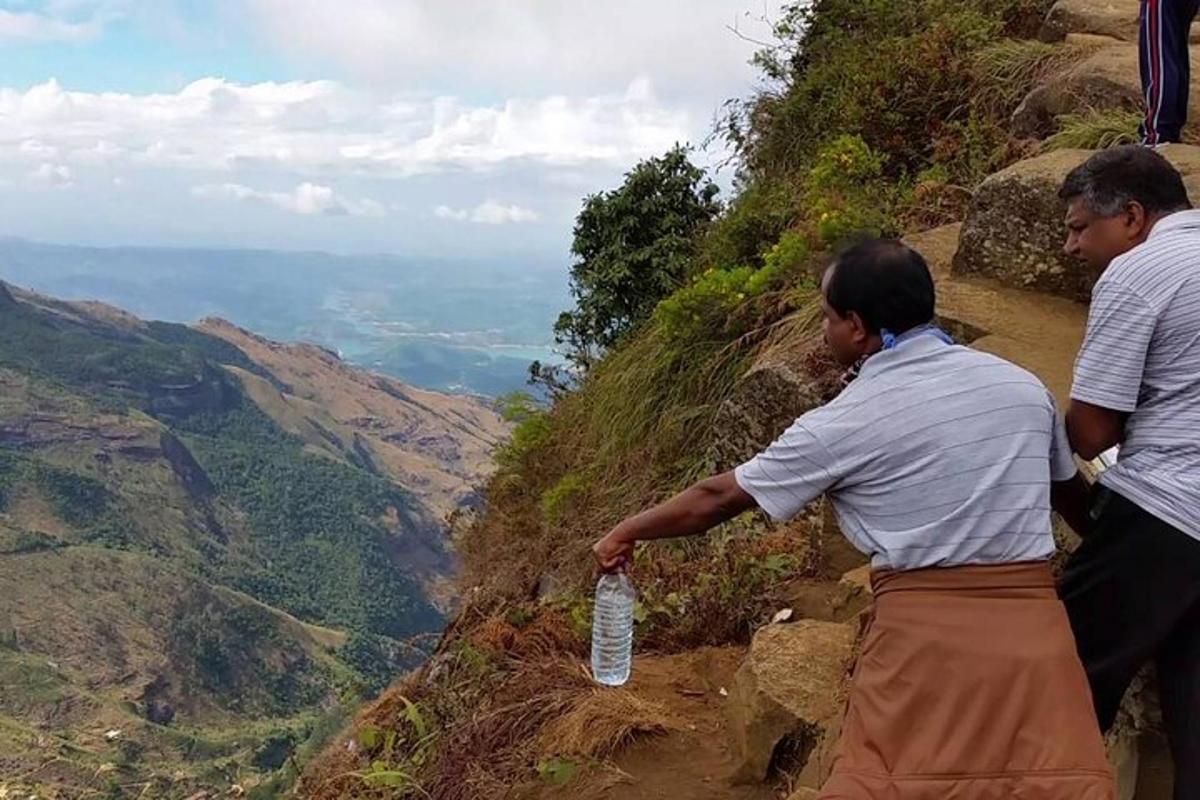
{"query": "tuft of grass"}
(1095, 130)
(1010, 68)
(602, 722)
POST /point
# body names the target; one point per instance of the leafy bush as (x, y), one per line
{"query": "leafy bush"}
(750, 225)
(790, 253)
(517, 407)
(557, 499)
(841, 191)
(707, 307)
(530, 434)
(633, 246)
(903, 74)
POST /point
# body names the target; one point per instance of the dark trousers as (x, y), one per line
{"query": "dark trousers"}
(1163, 59)
(1132, 591)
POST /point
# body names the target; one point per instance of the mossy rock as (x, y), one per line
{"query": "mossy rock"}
(1014, 230)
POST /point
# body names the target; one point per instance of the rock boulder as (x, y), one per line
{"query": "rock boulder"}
(1115, 18)
(1106, 79)
(779, 387)
(790, 687)
(1014, 228)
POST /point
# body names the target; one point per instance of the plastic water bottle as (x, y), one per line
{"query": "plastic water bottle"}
(612, 629)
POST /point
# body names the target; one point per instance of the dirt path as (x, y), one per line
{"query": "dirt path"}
(693, 760)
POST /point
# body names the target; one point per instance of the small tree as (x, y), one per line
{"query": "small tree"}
(632, 247)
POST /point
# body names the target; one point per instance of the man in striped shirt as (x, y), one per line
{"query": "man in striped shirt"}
(938, 460)
(1133, 587)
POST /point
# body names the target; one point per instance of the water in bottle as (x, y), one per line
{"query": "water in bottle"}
(612, 629)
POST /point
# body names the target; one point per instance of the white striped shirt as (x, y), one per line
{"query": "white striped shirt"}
(936, 455)
(1141, 356)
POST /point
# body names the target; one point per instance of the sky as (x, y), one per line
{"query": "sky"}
(421, 127)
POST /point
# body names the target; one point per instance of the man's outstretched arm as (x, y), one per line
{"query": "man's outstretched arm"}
(698, 508)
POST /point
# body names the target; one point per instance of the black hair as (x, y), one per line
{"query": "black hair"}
(885, 282)
(1112, 179)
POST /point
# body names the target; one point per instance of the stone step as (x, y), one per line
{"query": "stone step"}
(1115, 18)
(1039, 332)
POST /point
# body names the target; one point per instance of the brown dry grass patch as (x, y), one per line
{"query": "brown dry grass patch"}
(602, 722)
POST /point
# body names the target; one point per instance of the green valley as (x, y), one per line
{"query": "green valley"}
(192, 593)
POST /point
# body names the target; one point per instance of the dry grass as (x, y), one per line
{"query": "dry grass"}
(549, 635)
(935, 203)
(497, 746)
(600, 723)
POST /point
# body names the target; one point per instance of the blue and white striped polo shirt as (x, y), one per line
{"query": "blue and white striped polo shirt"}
(1141, 355)
(936, 455)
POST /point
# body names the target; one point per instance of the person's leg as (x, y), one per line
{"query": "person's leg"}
(1125, 590)
(1149, 89)
(1179, 693)
(1164, 65)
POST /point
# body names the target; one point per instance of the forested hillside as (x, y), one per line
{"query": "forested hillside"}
(192, 590)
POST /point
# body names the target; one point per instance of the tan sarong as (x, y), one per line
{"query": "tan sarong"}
(968, 687)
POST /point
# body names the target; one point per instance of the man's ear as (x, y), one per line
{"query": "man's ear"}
(1137, 221)
(858, 327)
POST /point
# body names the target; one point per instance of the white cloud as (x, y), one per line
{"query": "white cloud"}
(489, 212)
(307, 199)
(324, 128)
(54, 175)
(41, 28)
(58, 20)
(556, 45)
(445, 212)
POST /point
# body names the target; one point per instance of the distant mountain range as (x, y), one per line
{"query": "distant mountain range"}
(457, 326)
(211, 545)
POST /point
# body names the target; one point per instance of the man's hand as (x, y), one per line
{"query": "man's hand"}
(696, 509)
(613, 552)
(1071, 499)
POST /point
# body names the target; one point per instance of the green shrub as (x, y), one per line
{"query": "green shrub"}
(750, 226)
(789, 254)
(842, 195)
(517, 407)
(704, 310)
(557, 499)
(528, 436)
